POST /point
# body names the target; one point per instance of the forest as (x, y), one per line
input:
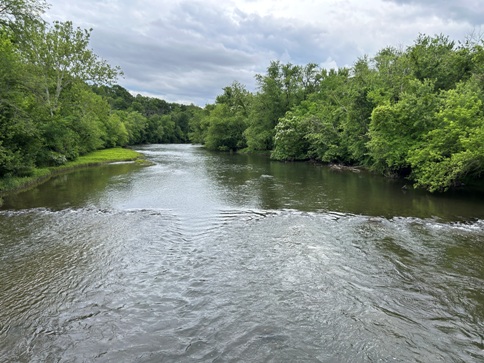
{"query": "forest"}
(414, 112)
(59, 100)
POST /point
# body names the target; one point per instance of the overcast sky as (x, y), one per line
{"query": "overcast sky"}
(186, 51)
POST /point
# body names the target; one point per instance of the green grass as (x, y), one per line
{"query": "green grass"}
(20, 183)
(98, 157)
(102, 157)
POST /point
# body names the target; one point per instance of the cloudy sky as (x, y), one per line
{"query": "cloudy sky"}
(187, 50)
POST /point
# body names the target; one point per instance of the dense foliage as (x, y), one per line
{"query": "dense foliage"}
(415, 113)
(57, 100)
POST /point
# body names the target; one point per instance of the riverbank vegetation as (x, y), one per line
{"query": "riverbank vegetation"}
(415, 113)
(58, 100)
(98, 157)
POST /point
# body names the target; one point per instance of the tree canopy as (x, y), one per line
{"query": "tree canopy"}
(19, 12)
(415, 113)
(59, 100)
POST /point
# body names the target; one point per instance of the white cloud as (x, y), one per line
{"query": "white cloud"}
(187, 51)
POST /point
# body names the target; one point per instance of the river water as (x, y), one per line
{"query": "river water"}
(207, 257)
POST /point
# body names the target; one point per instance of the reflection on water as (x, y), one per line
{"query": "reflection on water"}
(215, 257)
(73, 189)
(189, 177)
(311, 187)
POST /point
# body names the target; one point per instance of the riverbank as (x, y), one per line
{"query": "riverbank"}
(99, 157)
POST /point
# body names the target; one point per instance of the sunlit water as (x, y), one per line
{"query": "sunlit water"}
(229, 258)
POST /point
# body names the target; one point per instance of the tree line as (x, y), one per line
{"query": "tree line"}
(58, 99)
(415, 113)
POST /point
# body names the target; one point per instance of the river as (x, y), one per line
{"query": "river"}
(207, 257)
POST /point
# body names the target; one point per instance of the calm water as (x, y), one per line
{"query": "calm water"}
(228, 258)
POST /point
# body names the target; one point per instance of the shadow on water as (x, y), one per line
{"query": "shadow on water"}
(73, 189)
(313, 187)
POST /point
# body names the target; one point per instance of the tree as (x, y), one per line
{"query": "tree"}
(225, 130)
(291, 137)
(136, 125)
(279, 90)
(15, 12)
(392, 77)
(355, 92)
(118, 97)
(59, 55)
(167, 124)
(154, 130)
(313, 129)
(197, 133)
(224, 124)
(440, 59)
(19, 136)
(115, 133)
(88, 114)
(236, 97)
(454, 151)
(415, 113)
(395, 129)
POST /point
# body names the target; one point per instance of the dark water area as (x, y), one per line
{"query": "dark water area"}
(207, 257)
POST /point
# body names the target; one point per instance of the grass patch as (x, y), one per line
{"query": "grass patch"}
(98, 157)
(25, 182)
(101, 157)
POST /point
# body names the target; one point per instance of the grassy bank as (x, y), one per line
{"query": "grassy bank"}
(92, 159)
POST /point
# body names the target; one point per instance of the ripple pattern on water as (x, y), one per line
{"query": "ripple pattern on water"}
(151, 285)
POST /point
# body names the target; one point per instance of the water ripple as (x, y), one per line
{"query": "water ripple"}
(94, 284)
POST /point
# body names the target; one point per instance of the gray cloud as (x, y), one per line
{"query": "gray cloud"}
(187, 51)
(471, 11)
(195, 48)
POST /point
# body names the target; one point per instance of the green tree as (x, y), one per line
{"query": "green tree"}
(180, 115)
(441, 60)
(224, 125)
(115, 132)
(168, 126)
(397, 128)
(136, 125)
(60, 141)
(333, 111)
(154, 129)
(313, 129)
(236, 97)
(15, 13)
(454, 151)
(19, 135)
(197, 132)
(118, 97)
(166, 122)
(279, 90)
(355, 91)
(59, 55)
(291, 137)
(89, 114)
(225, 130)
(393, 74)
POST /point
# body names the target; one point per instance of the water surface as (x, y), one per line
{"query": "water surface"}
(217, 258)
